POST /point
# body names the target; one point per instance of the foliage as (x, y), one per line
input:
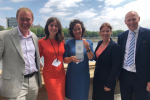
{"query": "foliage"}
(39, 31)
(66, 32)
(8, 28)
(34, 30)
(1, 28)
(116, 33)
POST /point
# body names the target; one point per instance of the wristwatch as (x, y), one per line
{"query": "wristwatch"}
(88, 50)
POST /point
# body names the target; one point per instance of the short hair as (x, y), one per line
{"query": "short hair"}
(105, 24)
(59, 36)
(25, 9)
(72, 24)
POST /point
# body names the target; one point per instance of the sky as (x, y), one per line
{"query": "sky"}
(92, 12)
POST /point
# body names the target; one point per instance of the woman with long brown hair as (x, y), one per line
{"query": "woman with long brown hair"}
(52, 49)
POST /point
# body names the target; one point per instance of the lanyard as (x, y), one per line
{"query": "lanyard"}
(54, 49)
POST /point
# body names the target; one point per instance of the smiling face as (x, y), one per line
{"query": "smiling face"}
(53, 28)
(105, 32)
(77, 31)
(132, 20)
(24, 20)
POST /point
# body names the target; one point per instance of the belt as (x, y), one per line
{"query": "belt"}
(29, 75)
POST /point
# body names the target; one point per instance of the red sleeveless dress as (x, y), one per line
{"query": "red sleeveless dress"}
(54, 77)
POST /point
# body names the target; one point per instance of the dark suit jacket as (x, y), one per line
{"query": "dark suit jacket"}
(107, 64)
(142, 56)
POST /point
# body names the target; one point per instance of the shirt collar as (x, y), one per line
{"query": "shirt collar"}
(20, 34)
(136, 31)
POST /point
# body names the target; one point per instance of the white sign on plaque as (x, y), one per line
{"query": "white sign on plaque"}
(79, 50)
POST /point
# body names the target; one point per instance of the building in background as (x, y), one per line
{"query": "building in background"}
(11, 22)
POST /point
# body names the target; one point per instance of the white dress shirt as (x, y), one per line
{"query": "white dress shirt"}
(131, 68)
(28, 50)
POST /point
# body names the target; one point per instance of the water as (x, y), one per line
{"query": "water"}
(94, 46)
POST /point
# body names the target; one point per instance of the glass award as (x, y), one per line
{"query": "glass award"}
(79, 50)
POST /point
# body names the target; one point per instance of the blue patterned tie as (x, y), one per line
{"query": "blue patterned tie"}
(130, 59)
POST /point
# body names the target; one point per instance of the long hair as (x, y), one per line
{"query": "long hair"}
(59, 36)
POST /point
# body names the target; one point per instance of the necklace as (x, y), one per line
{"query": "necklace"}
(54, 49)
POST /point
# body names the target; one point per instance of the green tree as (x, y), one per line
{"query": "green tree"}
(40, 32)
(34, 30)
(94, 34)
(66, 32)
(88, 33)
(8, 28)
(1, 28)
(116, 33)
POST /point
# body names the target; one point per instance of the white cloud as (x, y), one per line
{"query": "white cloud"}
(17, 0)
(86, 14)
(113, 2)
(21, 0)
(1, 0)
(93, 18)
(60, 14)
(99, 6)
(6, 8)
(45, 17)
(100, 0)
(81, 4)
(45, 10)
(60, 4)
(115, 16)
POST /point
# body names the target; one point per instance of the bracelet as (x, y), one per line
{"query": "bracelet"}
(88, 50)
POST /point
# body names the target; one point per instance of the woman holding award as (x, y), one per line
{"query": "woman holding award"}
(107, 57)
(77, 75)
(52, 49)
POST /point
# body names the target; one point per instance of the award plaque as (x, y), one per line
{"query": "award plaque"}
(79, 50)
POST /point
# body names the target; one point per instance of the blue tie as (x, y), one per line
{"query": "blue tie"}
(130, 59)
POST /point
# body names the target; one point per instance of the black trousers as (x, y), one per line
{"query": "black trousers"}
(129, 86)
(99, 93)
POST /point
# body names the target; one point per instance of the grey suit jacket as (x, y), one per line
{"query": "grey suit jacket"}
(13, 64)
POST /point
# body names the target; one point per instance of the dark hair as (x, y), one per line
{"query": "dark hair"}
(73, 23)
(25, 9)
(105, 24)
(59, 36)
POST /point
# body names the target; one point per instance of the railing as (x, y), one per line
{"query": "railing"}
(91, 71)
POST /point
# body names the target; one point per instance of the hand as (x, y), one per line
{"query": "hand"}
(106, 88)
(86, 44)
(148, 86)
(41, 69)
(74, 59)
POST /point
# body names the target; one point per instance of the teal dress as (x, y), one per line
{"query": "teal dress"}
(77, 75)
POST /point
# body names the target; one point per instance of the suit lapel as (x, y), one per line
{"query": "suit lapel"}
(110, 43)
(34, 41)
(140, 38)
(36, 50)
(125, 40)
(99, 43)
(16, 41)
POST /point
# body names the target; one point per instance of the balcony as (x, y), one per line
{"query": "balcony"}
(42, 95)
